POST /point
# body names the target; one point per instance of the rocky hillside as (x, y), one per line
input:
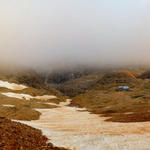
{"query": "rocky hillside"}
(17, 136)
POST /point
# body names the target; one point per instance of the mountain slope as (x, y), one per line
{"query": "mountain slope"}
(120, 106)
(80, 85)
(15, 136)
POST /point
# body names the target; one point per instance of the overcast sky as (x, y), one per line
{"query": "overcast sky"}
(37, 32)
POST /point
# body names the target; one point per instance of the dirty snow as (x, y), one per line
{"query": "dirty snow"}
(12, 86)
(8, 105)
(53, 104)
(70, 128)
(28, 97)
(45, 97)
(19, 96)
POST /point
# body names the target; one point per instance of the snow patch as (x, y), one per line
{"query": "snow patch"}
(45, 97)
(67, 127)
(129, 113)
(12, 86)
(9, 105)
(19, 96)
(29, 97)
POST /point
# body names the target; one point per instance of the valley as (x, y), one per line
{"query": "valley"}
(100, 117)
(74, 75)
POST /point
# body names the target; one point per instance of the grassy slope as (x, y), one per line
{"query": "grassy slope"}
(31, 79)
(119, 106)
(24, 110)
(15, 135)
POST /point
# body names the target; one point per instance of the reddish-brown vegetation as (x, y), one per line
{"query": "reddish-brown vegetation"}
(135, 117)
(17, 136)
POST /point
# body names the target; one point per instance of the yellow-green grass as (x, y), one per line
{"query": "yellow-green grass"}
(22, 110)
(121, 106)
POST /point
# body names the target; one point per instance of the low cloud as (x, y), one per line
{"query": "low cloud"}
(101, 32)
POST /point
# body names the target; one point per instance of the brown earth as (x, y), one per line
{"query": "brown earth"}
(17, 136)
(135, 117)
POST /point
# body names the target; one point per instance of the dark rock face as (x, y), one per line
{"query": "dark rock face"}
(61, 77)
(66, 74)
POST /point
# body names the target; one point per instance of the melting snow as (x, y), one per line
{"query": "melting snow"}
(19, 96)
(45, 97)
(66, 126)
(9, 105)
(12, 86)
(28, 97)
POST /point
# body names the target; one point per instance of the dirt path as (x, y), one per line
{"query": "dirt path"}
(72, 128)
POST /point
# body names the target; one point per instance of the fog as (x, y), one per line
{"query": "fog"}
(59, 32)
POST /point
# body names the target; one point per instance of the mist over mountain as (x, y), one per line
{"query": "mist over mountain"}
(57, 33)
